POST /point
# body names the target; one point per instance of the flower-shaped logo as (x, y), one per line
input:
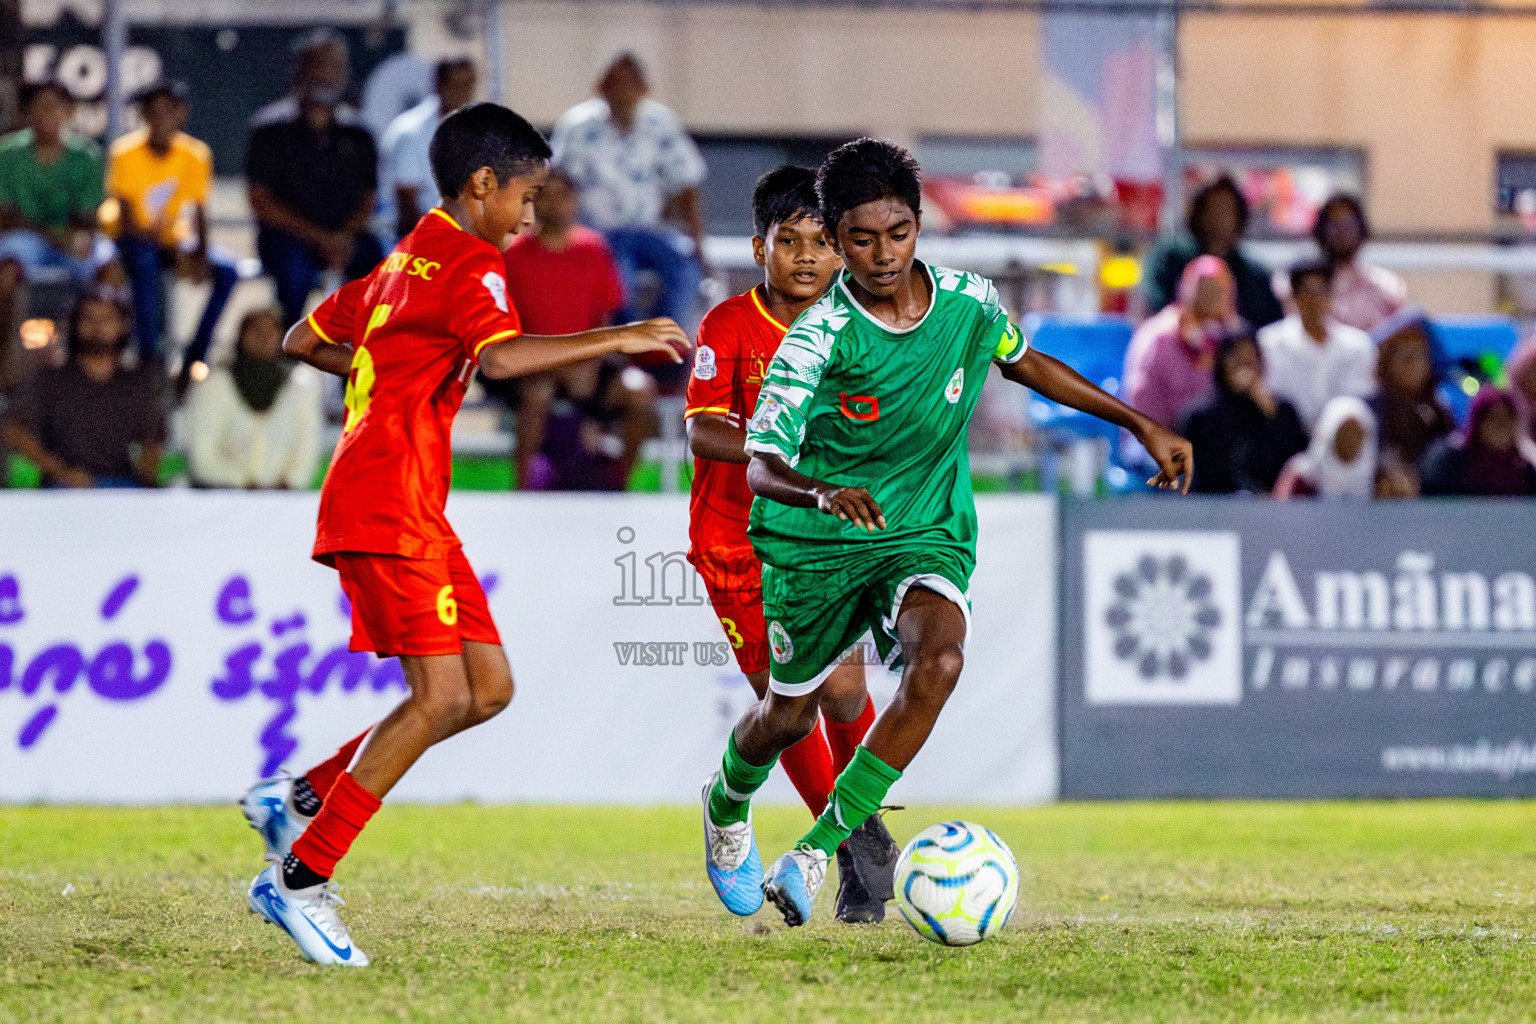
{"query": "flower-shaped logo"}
(1163, 617)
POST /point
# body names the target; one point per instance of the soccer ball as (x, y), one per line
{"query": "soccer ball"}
(957, 883)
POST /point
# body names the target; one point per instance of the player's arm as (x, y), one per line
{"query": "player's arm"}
(711, 436)
(771, 476)
(531, 353)
(305, 344)
(1058, 382)
(713, 388)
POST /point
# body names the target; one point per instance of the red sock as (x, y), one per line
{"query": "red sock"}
(809, 766)
(328, 838)
(843, 738)
(324, 775)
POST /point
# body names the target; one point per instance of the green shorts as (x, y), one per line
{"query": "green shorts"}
(816, 618)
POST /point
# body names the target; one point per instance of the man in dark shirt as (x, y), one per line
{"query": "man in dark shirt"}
(312, 182)
(1218, 218)
(90, 423)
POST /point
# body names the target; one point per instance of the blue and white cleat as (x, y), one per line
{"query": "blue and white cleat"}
(793, 882)
(268, 806)
(730, 857)
(308, 916)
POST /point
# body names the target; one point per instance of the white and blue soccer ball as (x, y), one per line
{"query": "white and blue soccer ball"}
(957, 883)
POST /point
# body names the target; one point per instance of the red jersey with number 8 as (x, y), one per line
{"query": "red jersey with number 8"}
(737, 341)
(417, 324)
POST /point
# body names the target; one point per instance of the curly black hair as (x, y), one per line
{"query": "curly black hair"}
(864, 171)
(484, 135)
(1350, 202)
(783, 196)
(1206, 193)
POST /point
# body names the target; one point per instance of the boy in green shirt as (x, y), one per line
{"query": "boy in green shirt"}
(50, 188)
(864, 518)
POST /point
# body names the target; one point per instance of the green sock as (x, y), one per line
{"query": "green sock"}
(732, 792)
(859, 792)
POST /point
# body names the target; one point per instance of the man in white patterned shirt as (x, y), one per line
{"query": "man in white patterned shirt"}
(637, 169)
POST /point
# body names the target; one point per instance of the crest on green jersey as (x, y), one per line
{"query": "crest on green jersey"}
(779, 643)
(955, 386)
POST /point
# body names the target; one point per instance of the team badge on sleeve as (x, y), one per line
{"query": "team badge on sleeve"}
(767, 414)
(704, 367)
(497, 286)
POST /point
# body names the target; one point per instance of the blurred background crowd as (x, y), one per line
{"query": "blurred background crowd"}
(143, 297)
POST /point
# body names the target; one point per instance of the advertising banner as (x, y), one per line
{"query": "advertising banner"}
(175, 646)
(1226, 647)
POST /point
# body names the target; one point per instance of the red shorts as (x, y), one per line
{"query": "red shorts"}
(741, 616)
(418, 606)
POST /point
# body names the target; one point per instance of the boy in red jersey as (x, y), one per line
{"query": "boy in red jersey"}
(407, 337)
(737, 340)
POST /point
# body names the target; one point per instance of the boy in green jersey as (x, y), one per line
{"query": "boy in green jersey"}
(864, 519)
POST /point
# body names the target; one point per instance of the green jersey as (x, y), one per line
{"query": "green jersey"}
(851, 401)
(50, 194)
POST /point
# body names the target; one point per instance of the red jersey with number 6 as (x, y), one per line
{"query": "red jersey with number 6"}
(417, 324)
(737, 341)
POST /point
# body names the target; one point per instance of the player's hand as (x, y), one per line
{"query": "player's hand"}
(1175, 457)
(852, 505)
(660, 335)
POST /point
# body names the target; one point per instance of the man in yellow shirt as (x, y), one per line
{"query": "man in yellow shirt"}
(161, 178)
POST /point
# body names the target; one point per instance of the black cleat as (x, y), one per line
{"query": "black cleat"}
(854, 904)
(874, 853)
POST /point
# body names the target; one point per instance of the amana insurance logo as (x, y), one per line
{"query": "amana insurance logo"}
(1167, 621)
(1160, 621)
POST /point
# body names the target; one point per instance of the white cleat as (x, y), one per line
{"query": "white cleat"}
(308, 916)
(732, 862)
(268, 806)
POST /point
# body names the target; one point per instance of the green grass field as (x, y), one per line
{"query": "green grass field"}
(1278, 911)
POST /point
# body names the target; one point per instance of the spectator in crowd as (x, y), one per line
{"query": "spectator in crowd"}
(312, 183)
(405, 170)
(1408, 409)
(1520, 368)
(636, 167)
(160, 178)
(1485, 459)
(1340, 461)
(1309, 356)
(1218, 216)
(256, 423)
(580, 427)
(396, 84)
(322, 61)
(50, 189)
(1245, 435)
(1364, 296)
(90, 422)
(1171, 356)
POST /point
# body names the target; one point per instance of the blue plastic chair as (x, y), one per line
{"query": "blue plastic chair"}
(1095, 347)
(1462, 340)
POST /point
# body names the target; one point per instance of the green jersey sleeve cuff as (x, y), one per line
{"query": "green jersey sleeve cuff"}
(1011, 346)
(771, 446)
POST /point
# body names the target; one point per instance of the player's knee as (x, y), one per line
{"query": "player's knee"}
(792, 719)
(932, 672)
(447, 706)
(843, 696)
(493, 699)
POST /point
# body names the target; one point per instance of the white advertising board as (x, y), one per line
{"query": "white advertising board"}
(172, 646)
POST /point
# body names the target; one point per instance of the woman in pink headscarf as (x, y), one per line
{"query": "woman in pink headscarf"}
(1168, 367)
